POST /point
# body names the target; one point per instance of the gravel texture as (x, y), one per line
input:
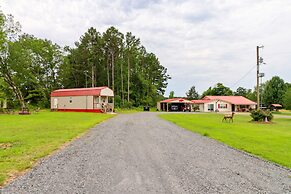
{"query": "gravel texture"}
(141, 153)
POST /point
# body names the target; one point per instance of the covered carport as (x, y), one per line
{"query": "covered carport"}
(174, 104)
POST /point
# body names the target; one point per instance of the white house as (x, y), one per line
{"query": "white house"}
(224, 104)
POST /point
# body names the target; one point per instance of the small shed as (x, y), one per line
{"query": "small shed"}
(97, 99)
(276, 107)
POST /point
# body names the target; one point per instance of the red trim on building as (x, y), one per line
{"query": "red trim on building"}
(237, 100)
(78, 92)
(80, 110)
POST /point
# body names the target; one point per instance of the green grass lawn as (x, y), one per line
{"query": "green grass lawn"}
(282, 112)
(26, 138)
(269, 141)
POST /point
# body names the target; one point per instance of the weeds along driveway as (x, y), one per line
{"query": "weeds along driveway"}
(141, 153)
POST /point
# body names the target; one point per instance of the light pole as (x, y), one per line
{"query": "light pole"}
(259, 61)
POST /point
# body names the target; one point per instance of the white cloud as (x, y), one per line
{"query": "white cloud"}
(200, 42)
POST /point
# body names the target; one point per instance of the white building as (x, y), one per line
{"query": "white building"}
(224, 104)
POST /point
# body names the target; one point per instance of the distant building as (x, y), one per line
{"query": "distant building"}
(98, 99)
(174, 104)
(224, 104)
(276, 107)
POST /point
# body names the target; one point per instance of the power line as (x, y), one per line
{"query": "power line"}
(244, 76)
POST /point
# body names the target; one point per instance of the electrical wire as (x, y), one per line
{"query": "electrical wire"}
(244, 76)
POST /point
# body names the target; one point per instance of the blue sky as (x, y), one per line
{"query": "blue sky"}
(201, 42)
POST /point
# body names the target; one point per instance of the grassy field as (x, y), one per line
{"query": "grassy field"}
(269, 141)
(282, 112)
(24, 139)
(133, 110)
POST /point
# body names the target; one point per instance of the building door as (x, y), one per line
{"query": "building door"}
(232, 107)
(55, 103)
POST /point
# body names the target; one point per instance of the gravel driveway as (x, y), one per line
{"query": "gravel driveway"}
(141, 153)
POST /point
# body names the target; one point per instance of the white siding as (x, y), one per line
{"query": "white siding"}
(106, 92)
(77, 102)
(216, 105)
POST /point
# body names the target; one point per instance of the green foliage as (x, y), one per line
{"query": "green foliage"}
(240, 91)
(218, 90)
(25, 139)
(33, 67)
(260, 115)
(270, 141)
(287, 99)
(252, 95)
(172, 94)
(192, 94)
(274, 91)
(118, 61)
(29, 66)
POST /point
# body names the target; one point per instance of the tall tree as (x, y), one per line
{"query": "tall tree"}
(240, 91)
(132, 45)
(274, 91)
(218, 90)
(113, 46)
(172, 94)
(287, 99)
(192, 94)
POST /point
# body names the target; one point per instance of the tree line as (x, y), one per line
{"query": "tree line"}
(30, 67)
(273, 91)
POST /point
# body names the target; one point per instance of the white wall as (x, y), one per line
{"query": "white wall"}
(215, 106)
(106, 92)
(77, 102)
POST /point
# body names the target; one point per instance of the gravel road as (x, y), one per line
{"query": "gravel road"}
(141, 153)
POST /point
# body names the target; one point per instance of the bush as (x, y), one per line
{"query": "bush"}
(260, 115)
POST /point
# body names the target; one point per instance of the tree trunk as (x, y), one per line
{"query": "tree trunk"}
(15, 89)
(121, 74)
(112, 60)
(93, 80)
(128, 74)
(108, 78)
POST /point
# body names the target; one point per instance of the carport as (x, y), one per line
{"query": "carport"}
(174, 104)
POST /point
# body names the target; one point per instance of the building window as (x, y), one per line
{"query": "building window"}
(222, 106)
(210, 107)
(70, 100)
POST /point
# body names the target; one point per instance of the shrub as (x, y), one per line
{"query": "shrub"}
(260, 115)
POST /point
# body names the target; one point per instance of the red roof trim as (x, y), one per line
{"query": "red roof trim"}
(78, 92)
(277, 105)
(181, 100)
(237, 100)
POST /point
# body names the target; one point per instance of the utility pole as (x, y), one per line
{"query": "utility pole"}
(258, 76)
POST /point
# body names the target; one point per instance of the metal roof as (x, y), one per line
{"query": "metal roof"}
(237, 100)
(176, 100)
(78, 92)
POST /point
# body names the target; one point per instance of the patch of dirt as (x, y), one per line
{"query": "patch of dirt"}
(6, 145)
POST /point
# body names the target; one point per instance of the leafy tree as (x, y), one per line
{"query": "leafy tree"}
(119, 63)
(274, 91)
(252, 94)
(240, 91)
(218, 90)
(31, 67)
(192, 94)
(171, 95)
(287, 99)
